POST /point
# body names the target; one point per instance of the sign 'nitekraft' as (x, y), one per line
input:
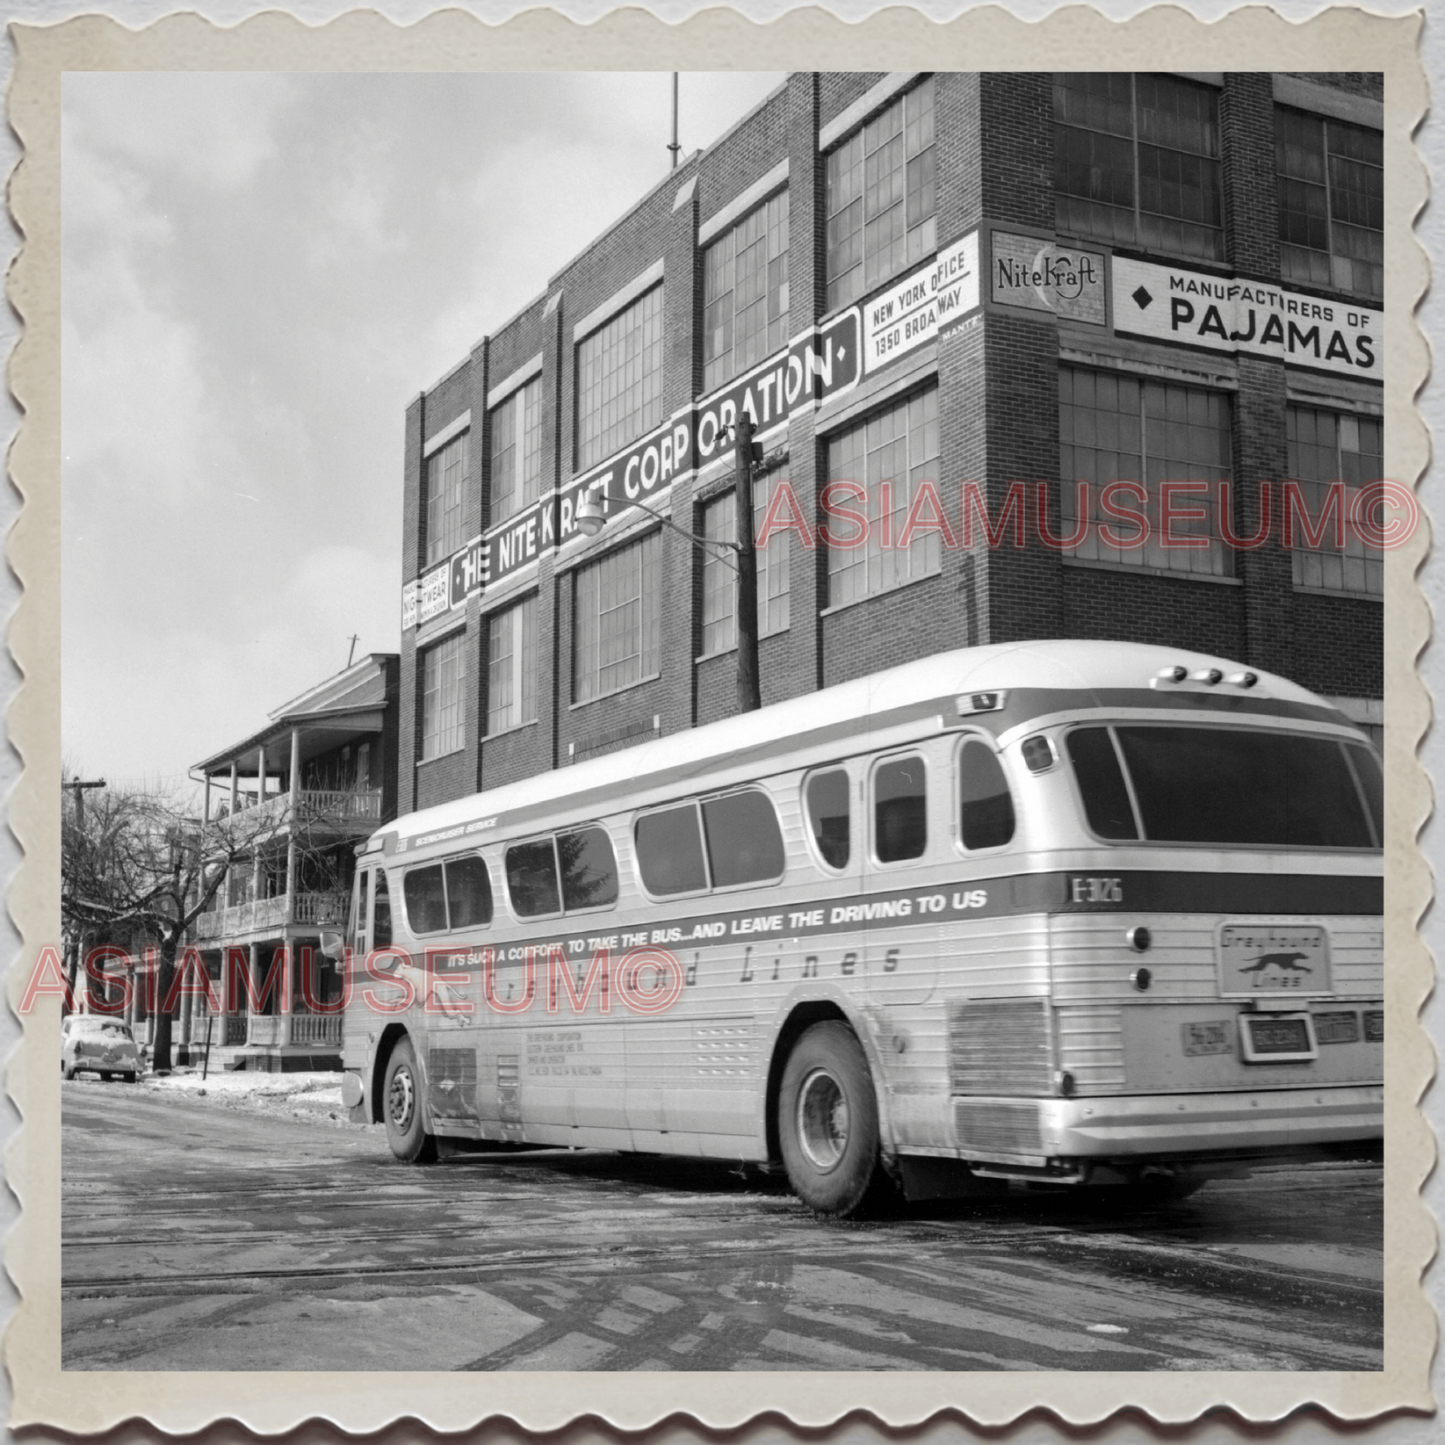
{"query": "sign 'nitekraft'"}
(819, 364)
(1223, 313)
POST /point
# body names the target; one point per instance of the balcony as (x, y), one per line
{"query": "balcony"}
(271, 915)
(340, 810)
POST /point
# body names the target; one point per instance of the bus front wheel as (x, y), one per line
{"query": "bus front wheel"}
(402, 1107)
(828, 1120)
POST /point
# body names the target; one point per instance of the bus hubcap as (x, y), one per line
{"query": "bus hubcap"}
(822, 1120)
(402, 1099)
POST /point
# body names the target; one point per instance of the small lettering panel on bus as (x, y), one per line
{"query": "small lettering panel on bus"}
(1273, 958)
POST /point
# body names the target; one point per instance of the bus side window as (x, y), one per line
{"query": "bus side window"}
(985, 808)
(532, 878)
(744, 842)
(469, 892)
(426, 904)
(669, 851)
(900, 809)
(589, 869)
(1101, 782)
(381, 913)
(825, 798)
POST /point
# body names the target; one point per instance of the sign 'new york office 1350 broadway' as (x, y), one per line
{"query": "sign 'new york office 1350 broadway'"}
(821, 363)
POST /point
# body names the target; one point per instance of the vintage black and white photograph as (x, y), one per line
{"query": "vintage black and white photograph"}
(723, 721)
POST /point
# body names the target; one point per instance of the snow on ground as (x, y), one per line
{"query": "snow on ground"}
(315, 1097)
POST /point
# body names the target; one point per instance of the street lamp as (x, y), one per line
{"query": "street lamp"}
(591, 516)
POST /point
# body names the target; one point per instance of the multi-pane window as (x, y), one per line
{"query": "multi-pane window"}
(443, 671)
(446, 484)
(719, 574)
(517, 452)
(512, 667)
(1331, 180)
(889, 455)
(1136, 161)
(616, 619)
(745, 293)
(1326, 447)
(619, 380)
(882, 197)
(1120, 428)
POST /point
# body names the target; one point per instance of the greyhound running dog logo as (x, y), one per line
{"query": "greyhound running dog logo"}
(1288, 961)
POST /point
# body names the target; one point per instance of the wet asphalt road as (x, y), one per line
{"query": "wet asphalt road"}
(197, 1236)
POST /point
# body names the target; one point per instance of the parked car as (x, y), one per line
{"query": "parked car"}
(103, 1045)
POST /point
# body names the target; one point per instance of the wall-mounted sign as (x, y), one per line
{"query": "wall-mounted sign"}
(432, 594)
(1044, 276)
(921, 305)
(1223, 313)
(819, 364)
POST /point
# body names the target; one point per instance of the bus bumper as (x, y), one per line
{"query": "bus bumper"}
(1167, 1126)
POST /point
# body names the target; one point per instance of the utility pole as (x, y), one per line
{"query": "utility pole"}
(749, 698)
(78, 786)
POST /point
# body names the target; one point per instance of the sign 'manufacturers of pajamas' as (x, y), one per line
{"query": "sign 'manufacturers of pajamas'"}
(821, 363)
(1223, 313)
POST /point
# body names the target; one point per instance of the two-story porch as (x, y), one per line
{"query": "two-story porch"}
(292, 802)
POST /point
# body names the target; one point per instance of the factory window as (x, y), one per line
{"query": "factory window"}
(720, 578)
(446, 481)
(616, 620)
(444, 672)
(517, 452)
(881, 198)
(1136, 161)
(1119, 428)
(1331, 181)
(1326, 447)
(887, 457)
(512, 667)
(745, 293)
(619, 380)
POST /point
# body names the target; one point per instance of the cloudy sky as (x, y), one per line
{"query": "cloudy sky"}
(259, 271)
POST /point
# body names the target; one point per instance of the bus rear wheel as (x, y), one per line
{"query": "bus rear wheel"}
(828, 1120)
(401, 1107)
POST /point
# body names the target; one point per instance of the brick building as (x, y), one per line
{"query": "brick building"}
(914, 282)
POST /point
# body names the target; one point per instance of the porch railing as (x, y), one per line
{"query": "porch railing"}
(344, 807)
(321, 909)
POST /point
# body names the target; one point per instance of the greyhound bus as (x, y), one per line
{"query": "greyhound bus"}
(1067, 912)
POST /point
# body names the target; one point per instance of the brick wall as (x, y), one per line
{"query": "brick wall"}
(1251, 211)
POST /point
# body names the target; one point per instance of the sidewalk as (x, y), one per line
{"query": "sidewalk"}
(314, 1097)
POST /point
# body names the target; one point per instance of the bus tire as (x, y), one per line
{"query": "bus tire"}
(828, 1120)
(402, 1107)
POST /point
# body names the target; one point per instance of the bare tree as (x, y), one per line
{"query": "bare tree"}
(141, 860)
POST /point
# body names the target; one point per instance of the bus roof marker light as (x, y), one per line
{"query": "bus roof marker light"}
(1212, 676)
(1242, 679)
(1173, 674)
(974, 702)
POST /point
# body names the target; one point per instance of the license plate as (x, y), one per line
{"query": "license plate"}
(1277, 1038)
(1337, 1028)
(1272, 958)
(1207, 1038)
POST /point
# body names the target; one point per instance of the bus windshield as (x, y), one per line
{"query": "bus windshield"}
(1238, 786)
